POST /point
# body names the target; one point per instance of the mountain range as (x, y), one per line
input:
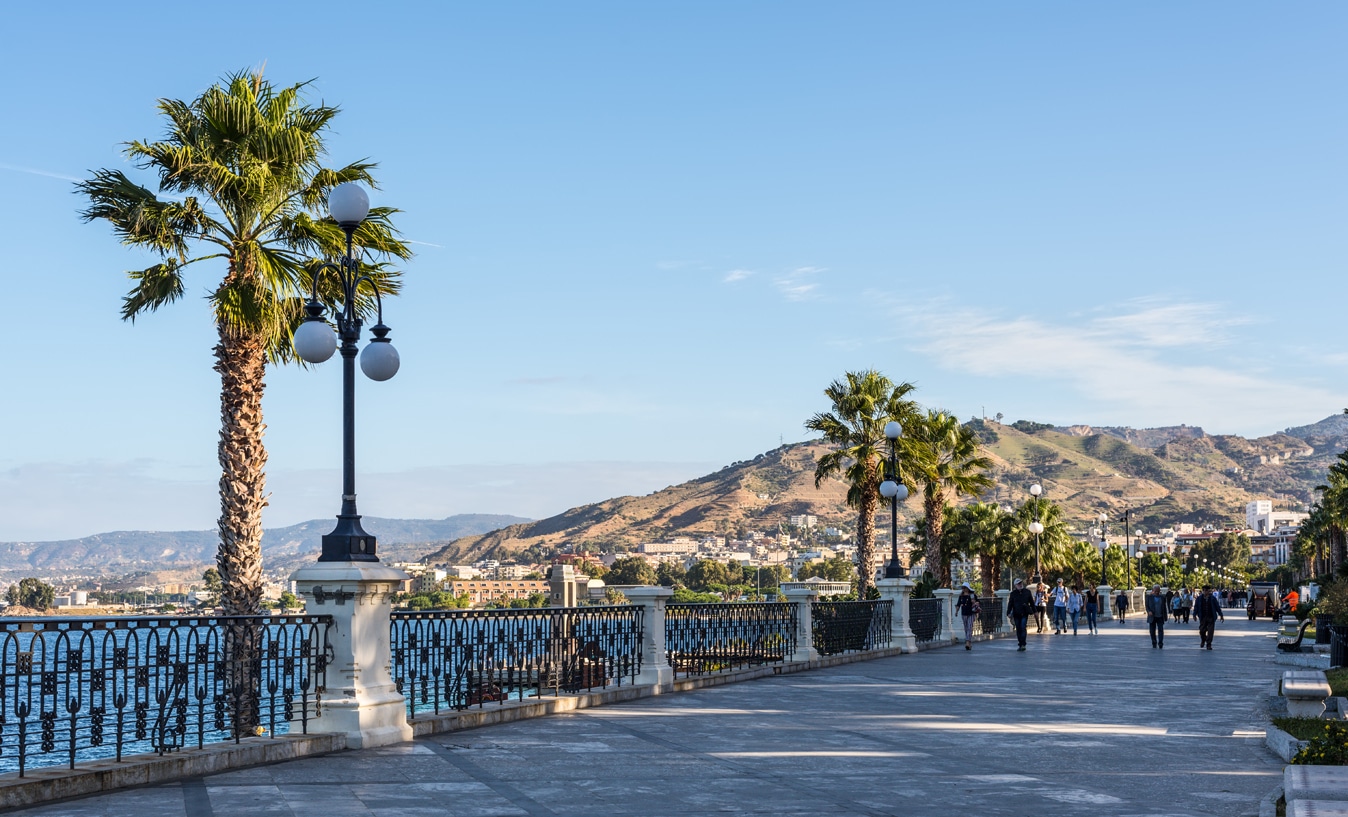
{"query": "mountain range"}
(1162, 476)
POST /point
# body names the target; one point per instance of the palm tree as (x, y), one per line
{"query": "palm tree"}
(863, 403)
(945, 460)
(241, 181)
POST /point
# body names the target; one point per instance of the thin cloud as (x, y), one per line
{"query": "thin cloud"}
(796, 284)
(32, 171)
(1127, 361)
(422, 243)
(737, 275)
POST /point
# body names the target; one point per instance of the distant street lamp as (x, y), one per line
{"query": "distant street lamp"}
(1140, 553)
(895, 491)
(1103, 547)
(1037, 527)
(315, 342)
(1164, 573)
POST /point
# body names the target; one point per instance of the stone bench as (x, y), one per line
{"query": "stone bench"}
(1305, 691)
(1315, 783)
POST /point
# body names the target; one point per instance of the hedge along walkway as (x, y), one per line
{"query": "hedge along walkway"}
(1075, 725)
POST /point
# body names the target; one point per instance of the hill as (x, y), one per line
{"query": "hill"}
(1163, 476)
(283, 549)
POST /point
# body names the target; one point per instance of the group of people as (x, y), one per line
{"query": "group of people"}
(1069, 603)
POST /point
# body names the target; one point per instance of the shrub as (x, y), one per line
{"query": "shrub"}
(1329, 748)
(1333, 601)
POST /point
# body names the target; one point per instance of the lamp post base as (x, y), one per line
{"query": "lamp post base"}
(895, 570)
(348, 542)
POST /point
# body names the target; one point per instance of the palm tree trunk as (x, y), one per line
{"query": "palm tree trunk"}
(933, 505)
(866, 534)
(241, 362)
(988, 569)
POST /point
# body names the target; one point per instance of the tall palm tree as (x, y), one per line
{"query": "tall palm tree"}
(241, 184)
(945, 459)
(863, 403)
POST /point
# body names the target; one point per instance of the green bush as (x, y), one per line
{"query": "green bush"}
(1334, 602)
(1328, 748)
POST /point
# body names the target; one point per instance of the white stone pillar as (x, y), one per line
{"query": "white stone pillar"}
(1007, 626)
(951, 630)
(361, 701)
(1106, 611)
(898, 591)
(804, 599)
(655, 668)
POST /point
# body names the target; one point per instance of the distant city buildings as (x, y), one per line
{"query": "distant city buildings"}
(1261, 518)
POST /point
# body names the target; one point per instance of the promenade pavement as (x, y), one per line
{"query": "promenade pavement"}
(1076, 725)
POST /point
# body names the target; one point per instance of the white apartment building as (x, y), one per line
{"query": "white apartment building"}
(678, 546)
(1260, 517)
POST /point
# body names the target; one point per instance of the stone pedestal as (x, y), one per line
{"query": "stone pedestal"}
(1106, 611)
(804, 599)
(655, 668)
(951, 629)
(898, 591)
(1007, 625)
(562, 586)
(361, 701)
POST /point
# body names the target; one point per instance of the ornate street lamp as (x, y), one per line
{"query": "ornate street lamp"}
(1140, 553)
(1103, 546)
(315, 342)
(895, 491)
(1037, 527)
(1164, 574)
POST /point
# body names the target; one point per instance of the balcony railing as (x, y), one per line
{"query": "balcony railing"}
(851, 626)
(924, 618)
(83, 689)
(990, 619)
(707, 638)
(455, 659)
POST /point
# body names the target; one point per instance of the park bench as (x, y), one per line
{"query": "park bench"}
(1287, 643)
(1305, 691)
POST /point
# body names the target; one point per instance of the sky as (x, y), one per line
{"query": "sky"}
(649, 235)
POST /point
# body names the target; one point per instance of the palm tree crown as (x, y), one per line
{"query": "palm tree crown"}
(241, 181)
(944, 459)
(863, 403)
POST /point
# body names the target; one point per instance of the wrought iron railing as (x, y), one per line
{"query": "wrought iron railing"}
(455, 659)
(924, 618)
(84, 689)
(706, 638)
(851, 626)
(990, 618)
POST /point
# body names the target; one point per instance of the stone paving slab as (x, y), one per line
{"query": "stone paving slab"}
(1315, 783)
(1099, 725)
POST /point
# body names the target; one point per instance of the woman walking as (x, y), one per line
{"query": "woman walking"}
(968, 608)
(1074, 602)
(1092, 598)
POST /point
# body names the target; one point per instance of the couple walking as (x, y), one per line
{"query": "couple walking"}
(1207, 608)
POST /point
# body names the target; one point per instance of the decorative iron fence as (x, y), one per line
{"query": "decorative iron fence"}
(851, 626)
(924, 618)
(990, 619)
(81, 689)
(455, 659)
(706, 638)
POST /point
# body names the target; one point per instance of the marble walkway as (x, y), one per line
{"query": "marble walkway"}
(1076, 725)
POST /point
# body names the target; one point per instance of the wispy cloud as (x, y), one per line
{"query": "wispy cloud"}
(32, 171)
(1158, 362)
(737, 275)
(797, 285)
(423, 243)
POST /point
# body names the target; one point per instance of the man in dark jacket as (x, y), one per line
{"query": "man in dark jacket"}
(1207, 608)
(1019, 607)
(1156, 616)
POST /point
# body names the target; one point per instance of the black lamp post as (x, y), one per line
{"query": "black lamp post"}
(315, 342)
(1037, 527)
(1104, 546)
(895, 491)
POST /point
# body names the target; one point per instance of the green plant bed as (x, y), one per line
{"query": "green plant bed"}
(1301, 728)
(1328, 746)
(1338, 681)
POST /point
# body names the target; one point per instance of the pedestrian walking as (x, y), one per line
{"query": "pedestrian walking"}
(1207, 609)
(1092, 597)
(968, 607)
(1121, 605)
(1060, 595)
(1040, 603)
(1186, 604)
(1175, 607)
(1019, 607)
(1156, 616)
(1074, 602)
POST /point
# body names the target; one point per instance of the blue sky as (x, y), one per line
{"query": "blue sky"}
(651, 234)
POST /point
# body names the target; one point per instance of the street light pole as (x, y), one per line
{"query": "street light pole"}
(315, 342)
(895, 491)
(1037, 527)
